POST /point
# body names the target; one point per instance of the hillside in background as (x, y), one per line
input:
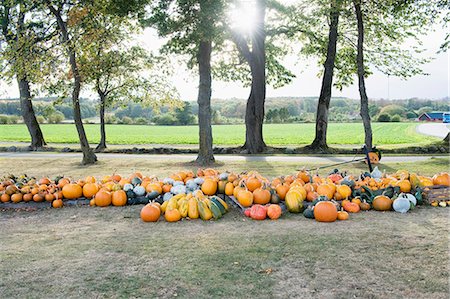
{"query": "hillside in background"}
(225, 111)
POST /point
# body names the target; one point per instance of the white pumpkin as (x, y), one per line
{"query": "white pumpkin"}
(167, 196)
(409, 196)
(168, 181)
(177, 183)
(401, 205)
(139, 191)
(199, 181)
(127, 187)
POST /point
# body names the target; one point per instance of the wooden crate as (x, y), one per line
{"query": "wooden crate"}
(436, 193)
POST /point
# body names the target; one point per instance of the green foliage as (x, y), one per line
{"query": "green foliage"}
(384, 117)
(184, 114)
(393, 109)
(55, 117)
(396, 118)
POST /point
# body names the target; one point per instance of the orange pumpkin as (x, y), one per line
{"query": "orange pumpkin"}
(351, 207)
(116, 178)
(16, 197)
(62, 182)
(57, 203)
(325, 211)
(253, 183)
(245, 198)
(90, 179)
(325, 190)
(261, 196)
(344, 190)
(172, 215)
(90, 189)
(38, 197)
(49, 197)
(5, 197)
(229, 188)
(103, 198)
(150, 213)
(119, 198)
(304, 176)
(342, 215)
(405, 185)
(282, 189)
(72, 191)
(311, 196)
(382, 203)
(442, 178)
(209, 187)
(27, 197)
(274, 211)
(154, 187)
(44, 181)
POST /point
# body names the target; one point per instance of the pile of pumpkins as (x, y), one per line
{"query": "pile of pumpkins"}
(260, 197)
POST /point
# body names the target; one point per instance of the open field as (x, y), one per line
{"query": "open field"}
(274, 134)
(79, 252)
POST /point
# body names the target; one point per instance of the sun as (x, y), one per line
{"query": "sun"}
(243, 16)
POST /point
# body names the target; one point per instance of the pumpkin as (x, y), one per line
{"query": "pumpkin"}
(253, 183)
(11, 189)
(335, 177)
(442, 178)
(405, 185)
(325, 190)
(344, 190)
(229, 188)
(16, 197)
(245, 198)
(351, 207)
(304, 176)
(150, 213)
(342, 215)
(44, 181)
(209, 187)
(274, 212)
(5, 197)
(364, 206)
(325, 211)
(274, 198)
(90, 189)
(294, 201)
(282, 189)
(412, 199)
(172, 215)
(49, 197)
(38, 197)
(62, 182)
(309, 212)
(311, 196)
(382, 203)
(204, 211)
(193, 208)
(27, 197)
(72, 191)
(57, 203)
(401, 205)
(103, 198)
(119, 198)
(261, 196)
(221, 186)
(258, 212)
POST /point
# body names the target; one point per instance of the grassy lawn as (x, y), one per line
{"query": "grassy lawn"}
(274, 134)
(83, 252)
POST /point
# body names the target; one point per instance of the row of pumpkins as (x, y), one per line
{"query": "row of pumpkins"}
(261, 196)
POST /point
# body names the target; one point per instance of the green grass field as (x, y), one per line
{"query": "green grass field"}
(274, 134)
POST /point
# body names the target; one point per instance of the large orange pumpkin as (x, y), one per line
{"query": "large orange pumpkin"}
(442, 178)
(150, 213)
(261, 196)
(103, 198)
(325, 211)
(90, 189)
(253, 183)
(172, 215)
(209, 187)
(344, 190)
(72, 191)
(119, 198)
(382, 203)
(245, 198)
(274, 212)
(405, 185)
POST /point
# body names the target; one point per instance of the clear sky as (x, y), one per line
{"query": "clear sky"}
(436, 85)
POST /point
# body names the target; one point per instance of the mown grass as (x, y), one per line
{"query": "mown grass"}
(274, 134)
(85, 252)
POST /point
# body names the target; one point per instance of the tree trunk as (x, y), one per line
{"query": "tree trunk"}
(205, 152)
(254, 114)
(102, 144)
(361, 84)
(88, 154)
(320, 140)
(29, 118)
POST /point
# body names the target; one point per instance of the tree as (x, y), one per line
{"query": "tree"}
(260, 48)
(115, 70)
(320, 140)
(184, 114)
(192, 28)
(61, 9)
(21, 56)
(365, 115)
